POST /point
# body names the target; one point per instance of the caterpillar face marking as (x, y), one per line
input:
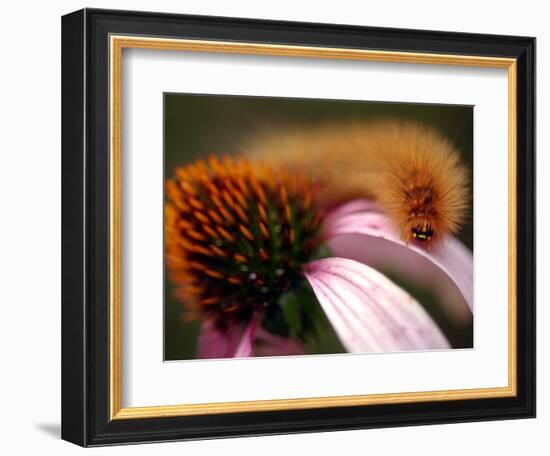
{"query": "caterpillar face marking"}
(422, 213)
(422, 234)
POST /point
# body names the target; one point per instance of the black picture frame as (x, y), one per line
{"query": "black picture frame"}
(85, 225)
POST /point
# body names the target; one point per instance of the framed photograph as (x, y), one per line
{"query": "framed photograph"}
(275, 227)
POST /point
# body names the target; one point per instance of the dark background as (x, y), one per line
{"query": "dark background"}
(199, 125)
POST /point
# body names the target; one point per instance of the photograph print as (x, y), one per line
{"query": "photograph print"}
(310, 227)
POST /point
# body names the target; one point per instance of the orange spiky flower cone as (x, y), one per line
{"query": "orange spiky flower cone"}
(237, 236)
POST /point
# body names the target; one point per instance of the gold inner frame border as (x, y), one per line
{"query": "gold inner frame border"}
(116, 46)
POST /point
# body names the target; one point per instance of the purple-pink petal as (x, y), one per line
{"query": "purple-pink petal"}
(268, 344)
(368, 311)
(448, 255)
(354, 206)
(245, 347)
(233, 342)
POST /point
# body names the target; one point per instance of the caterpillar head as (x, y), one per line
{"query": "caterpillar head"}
(429, 211)
(422, 219)
(422, 234)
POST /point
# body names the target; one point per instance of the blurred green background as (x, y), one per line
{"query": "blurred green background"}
(199, 125)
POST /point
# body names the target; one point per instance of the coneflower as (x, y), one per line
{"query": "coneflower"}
(239, 236)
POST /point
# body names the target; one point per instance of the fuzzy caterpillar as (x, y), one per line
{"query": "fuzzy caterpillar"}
(411, 170)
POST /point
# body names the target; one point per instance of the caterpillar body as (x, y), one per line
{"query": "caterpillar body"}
(411, 170)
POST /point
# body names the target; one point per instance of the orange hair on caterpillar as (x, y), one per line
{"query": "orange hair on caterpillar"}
(412, 171)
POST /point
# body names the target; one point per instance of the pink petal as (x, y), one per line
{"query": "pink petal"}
(234, 342)
(268, 344)
(381, 244)
(369, 312)
(359, 205)
(245, 347)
